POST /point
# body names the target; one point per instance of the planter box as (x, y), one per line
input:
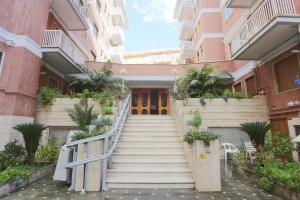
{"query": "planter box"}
(18, 183)
(279, 189)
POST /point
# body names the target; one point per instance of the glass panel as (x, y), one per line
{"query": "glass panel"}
(164, 112)
(134, 102)
(145, 99)
(144, 112)
(164, 100)
(134, 112)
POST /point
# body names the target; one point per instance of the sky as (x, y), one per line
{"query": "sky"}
(151, 25)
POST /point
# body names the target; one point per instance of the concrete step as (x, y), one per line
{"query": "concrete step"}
(151, 129)
(141, 132)
(158, 165)
(146, 125)
(148, 150)
(142, 174)
(149, 138)
(150, 134)
(144, 157)
(149, 182)
(151, 144)
(150, 121)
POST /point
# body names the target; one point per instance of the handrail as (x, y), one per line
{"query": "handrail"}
(107, 151)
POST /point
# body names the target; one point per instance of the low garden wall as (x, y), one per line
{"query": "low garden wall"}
(217, 113)
(21, 182)
(279, 188)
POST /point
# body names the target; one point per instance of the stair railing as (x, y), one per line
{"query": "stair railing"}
(110, 140)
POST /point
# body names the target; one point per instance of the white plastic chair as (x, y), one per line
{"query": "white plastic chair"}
(229, 149)
(250, 150)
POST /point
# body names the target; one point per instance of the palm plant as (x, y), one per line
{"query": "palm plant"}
(198, 83)
(82, 115)
(257, 131)
(32, 133)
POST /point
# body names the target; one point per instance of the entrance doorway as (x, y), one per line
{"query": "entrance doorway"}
(150, 102)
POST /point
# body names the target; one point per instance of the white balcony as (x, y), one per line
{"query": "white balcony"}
(117, 35)
(240, 3)
(186, 29)
(266, 30)
(116, 54)
(117, 16)
(120, 3)
(61, 53)
(187, 49)
(71, 13)
(184, 9)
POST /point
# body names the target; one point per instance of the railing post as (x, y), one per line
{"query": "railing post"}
(104, 165)
(274, 7)
(73, 179)
(85, 170)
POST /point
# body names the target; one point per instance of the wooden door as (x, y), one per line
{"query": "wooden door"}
(140, 102)
(164, 102)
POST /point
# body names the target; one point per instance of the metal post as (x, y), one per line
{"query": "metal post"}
(104, 165)
(85, 169)
(73, 179)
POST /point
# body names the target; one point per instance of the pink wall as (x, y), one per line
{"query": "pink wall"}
(20, 73)
(157, 70)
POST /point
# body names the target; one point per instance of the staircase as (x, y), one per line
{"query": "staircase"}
(149, 155)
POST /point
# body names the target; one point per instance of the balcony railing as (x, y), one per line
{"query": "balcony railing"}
(186, 29)
(184, 9)
(261, 16)
(187, 49)
(72, 13)
(58, 41)
(117, 35)
(117, 15)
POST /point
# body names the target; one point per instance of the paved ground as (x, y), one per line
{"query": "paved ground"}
(233, 188)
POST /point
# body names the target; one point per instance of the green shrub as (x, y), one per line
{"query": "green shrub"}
(235, 95)
(205, 136)
(47, 96)
(15, 150)
(47, 154)
(280, 145)
(13, 155)
(86, 134)
(12, 172)
(107, 111)
(257, 131)
(266, 183)
(32, 133)
(197, 121)
(82, 115)
(103, 122)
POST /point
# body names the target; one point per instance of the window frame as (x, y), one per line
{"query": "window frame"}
(275, 78)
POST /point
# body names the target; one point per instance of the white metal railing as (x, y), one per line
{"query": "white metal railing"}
(80, 8)
(258, 19)
(58, 39)
(187, 45)
(187, 3)
(110, 141)
(187, 27)
(117, 30)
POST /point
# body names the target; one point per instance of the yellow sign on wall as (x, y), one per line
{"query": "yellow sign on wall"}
(202, 156)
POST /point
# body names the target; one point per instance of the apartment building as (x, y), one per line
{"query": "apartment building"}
(201, 30)
(44, 41)
(159, 56)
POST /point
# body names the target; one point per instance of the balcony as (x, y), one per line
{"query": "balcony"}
(240, 3)
(266, 31)
(186, 29)
(187, 49)
(184, 9)
(116, 55)
(119, 3)
(61, 53)
(71, 13)
(117, 16)
(117, 35)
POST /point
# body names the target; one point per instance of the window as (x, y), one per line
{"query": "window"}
(95, 30)
(286, 72)
(94, 56)
(53, 83)
(1, 60)
(238, 87)
(250, 84)
(227, 13)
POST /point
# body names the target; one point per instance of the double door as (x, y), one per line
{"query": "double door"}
(150, 101)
